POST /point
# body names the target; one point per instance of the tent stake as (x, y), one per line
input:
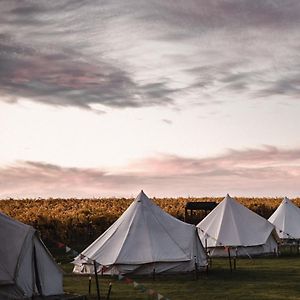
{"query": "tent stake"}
(97, 281)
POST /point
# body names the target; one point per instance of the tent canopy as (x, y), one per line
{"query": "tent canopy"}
(232, 224)
(26, 266)
(145, 234)
(286, 219)
(13, 234)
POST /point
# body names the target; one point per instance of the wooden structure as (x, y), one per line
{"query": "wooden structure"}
(191, 209)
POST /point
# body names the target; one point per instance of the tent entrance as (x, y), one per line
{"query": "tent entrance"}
(36, 272)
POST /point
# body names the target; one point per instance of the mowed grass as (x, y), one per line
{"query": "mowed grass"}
(260, 278)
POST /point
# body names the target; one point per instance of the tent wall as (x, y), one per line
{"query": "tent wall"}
(197, 255)
(160, 268)
(143, 269)
(270, 247)
(50, 284)
(25, 269)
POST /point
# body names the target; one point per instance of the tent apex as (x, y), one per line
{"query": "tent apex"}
(228, 197)
(141, 196)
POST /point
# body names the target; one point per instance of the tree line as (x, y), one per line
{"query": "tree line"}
(77, 222)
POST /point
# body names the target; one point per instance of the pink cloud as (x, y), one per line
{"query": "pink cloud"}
(242, 163)
(253, 172)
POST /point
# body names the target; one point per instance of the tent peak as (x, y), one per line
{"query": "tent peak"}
(141, 197)
(228, 197)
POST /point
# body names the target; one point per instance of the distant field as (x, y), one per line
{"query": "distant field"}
(77, 222)
(256, 279)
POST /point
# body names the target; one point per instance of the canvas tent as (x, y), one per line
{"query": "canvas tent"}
(26, 266)
(286, 219)
(233, 226)
(144, 239)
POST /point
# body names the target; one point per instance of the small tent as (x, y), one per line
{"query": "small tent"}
(286, 219)
(26, 266)
(233, 226)
(143, 240)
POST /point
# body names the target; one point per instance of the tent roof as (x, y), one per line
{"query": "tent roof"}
(144, 233)
(23, 256)
(12, 235)
(232, 224)
(286, 219)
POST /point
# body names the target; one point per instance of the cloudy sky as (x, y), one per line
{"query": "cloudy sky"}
(179, 98)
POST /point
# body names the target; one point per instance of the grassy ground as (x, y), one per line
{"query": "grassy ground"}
(262, 278)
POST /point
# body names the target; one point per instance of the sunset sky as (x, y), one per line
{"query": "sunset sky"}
(178, 98)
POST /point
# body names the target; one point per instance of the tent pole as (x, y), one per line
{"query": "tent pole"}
(97, 281)
(36, 275)
(206, 256)
(234, 263)
(90, 284)
(196, 268)
(109, 290)
(229, 258)
(235, 259)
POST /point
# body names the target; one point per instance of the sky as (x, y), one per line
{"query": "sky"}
(179, 98)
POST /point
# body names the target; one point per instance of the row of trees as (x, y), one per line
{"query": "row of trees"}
(77, 222)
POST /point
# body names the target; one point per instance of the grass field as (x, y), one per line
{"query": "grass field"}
(261, 278)
(78, 222)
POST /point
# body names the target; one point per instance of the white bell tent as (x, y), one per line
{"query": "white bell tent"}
(233, 226)
(143, 240)
(286, 219)
(26, 266)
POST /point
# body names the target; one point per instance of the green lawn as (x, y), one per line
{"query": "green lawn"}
(261, 278)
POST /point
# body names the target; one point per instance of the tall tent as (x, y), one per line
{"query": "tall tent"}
(144, 239)
(233, 226)
(286, 219)
(26, 266)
